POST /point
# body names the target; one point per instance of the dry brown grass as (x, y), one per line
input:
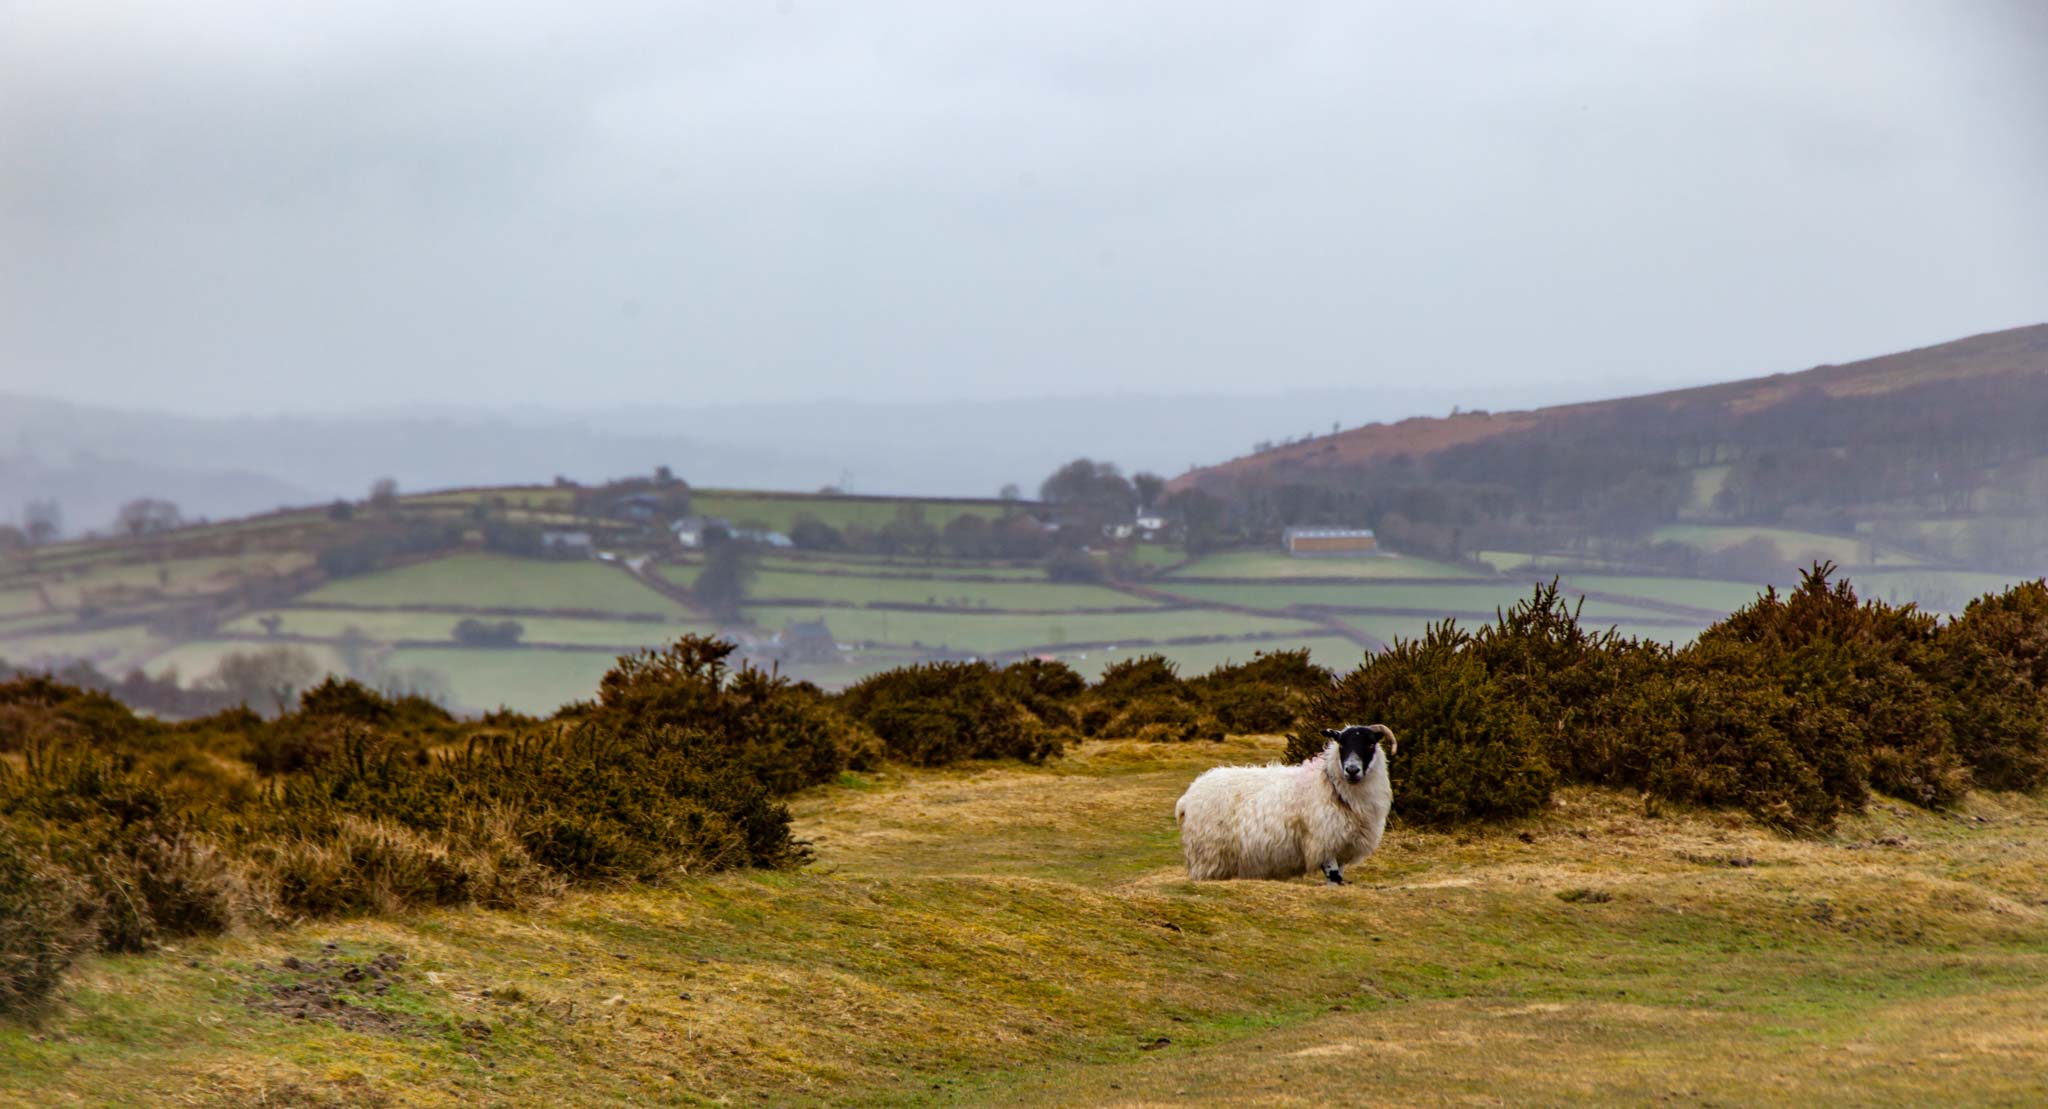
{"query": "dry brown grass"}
(1012, 934)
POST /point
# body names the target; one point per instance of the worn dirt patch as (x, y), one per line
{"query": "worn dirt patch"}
(336, 990)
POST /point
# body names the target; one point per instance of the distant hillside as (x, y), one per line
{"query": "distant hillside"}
(2020, 350)
(91, 458)
(1939, 451)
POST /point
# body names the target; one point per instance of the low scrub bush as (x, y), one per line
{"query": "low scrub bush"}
(944, 712)
(1992, 662)
(1468, 750)
(45, 922)
(1145, 698)
(1270, 694)
(787, 736)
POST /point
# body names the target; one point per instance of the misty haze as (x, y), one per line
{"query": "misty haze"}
(812, 554)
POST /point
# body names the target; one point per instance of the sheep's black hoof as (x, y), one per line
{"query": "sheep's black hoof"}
(1335, 876)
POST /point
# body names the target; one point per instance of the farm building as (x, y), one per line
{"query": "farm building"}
(1329, 542)
(689, 530)
(578, 541)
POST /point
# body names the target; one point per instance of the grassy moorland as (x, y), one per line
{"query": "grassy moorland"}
(1024, 935)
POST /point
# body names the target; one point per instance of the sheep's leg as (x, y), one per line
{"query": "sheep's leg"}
(1334, 873)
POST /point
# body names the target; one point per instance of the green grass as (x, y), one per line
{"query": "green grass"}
(1005, 935)
(15, 602)
(779, 512)
(531, 680)
(1157, 555)
(994, 632)
(1040, 594)
(1448, 598)
(544, 498)
(1844, 550)
(935, 568)
(389, 627)
(1701, 593)
(1279, 564)
(487, 580)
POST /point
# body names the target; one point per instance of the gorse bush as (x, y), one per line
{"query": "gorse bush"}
(1796, 707)
(1270, 694)
(122, 832)
(946, 711)
(42, 925)
(1993, 663)
(1468, 749)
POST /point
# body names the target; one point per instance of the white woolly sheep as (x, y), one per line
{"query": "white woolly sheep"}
(1280, 821)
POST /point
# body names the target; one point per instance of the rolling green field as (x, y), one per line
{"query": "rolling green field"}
(1701, 593)
(489, 580)
(1004, 632)
(1039, 595)
(390, 626)
(1279, 564)
(124, 603)
(1444, 599)
(780, 512)
(1844, 550)
(527, 679)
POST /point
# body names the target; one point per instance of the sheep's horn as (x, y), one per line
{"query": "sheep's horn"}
(1393, 745)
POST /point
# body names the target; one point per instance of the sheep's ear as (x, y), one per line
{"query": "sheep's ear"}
(1330, 732)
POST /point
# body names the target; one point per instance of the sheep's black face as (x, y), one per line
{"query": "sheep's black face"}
(1355, 746)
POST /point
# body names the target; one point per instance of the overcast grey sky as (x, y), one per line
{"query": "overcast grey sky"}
(234, 206)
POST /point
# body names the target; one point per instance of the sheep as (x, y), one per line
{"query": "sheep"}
(1280, 821)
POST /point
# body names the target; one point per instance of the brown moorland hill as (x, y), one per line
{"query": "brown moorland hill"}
(2016, 350)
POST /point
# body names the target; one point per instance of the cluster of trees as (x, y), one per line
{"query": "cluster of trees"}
(910, 533)
(378, 546)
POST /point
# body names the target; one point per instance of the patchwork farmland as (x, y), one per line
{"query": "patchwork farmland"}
(436, 616)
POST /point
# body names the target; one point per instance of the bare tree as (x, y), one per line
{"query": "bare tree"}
(270, 677)
(384, 494)
(43, 521)
(146, 516)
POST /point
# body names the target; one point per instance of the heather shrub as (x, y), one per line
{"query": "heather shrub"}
(1144, 698)
(143, 869)
(38, 709)
(1267, 695)
(787, 737)
(1709, 729)
(1047, 688)
(1826, 649)
(943, 712)
(1468, 750)
(1992, 664)
(44, 922)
